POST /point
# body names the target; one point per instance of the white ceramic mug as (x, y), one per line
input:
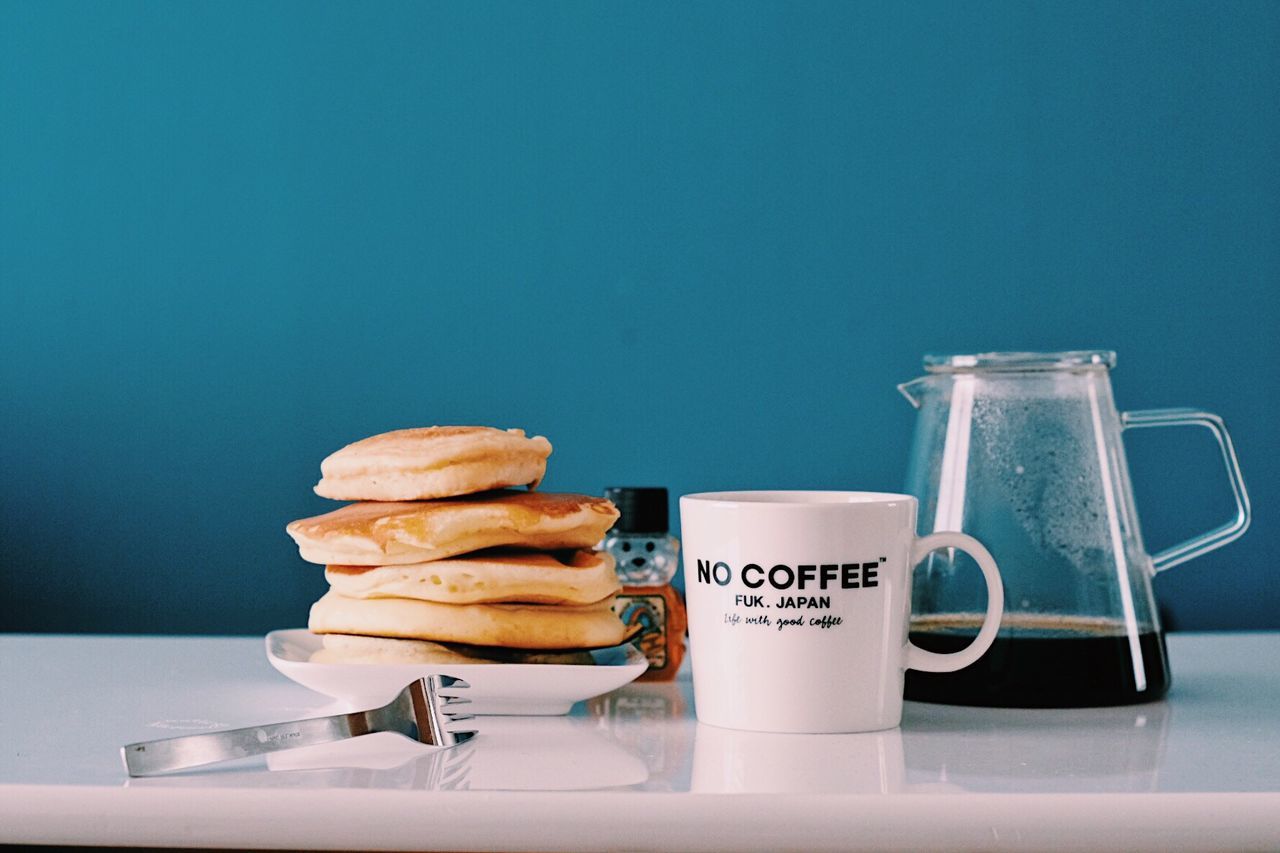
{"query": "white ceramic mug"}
(799, 606)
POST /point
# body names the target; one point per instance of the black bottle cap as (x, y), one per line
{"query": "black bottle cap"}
(644, 510)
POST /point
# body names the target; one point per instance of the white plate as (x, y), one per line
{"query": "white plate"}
(496, 688)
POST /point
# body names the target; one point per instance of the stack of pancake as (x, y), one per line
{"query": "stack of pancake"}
(439, 550)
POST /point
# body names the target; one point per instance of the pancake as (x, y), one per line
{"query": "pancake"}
(433, 462)
(499, 575)
(518, 626)
(385, 534)
(352, 648)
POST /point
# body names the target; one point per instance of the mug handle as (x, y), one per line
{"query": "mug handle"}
(925, 661)
(1218, 536)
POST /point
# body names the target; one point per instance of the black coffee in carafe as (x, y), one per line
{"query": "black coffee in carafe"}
(1024, 452)
(1042, 662)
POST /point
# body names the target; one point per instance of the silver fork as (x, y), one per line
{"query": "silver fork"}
(419, 712)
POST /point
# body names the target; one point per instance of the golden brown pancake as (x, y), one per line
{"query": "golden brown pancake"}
(433, 462)
(496, 575)
(351, 648)
(384, 534)
(519, 626)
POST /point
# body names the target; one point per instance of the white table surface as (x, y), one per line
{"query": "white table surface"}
(633, 770)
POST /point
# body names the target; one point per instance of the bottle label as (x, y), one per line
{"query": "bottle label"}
(650, 613)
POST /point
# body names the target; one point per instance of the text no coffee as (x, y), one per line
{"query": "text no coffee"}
(803, 576)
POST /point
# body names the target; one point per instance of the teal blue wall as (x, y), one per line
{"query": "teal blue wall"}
(694, 244)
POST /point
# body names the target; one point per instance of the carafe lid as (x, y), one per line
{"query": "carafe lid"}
(1021, 361)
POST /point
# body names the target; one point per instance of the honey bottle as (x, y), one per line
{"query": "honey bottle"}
(647, 556)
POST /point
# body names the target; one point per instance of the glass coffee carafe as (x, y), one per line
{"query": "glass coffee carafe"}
(1024, 452)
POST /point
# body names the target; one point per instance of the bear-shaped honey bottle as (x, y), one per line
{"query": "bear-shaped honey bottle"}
(647, 556)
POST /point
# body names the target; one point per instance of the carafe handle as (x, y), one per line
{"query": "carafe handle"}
(1218, 536)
